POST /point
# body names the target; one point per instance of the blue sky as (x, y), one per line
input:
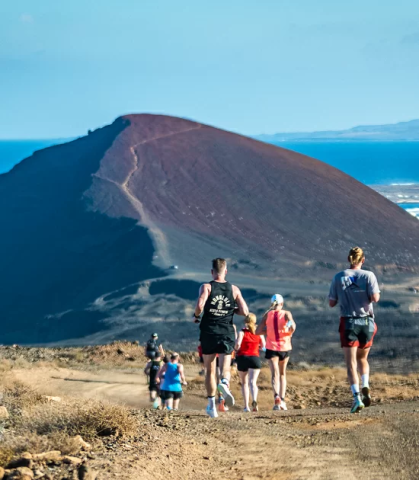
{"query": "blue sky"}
(247, 66)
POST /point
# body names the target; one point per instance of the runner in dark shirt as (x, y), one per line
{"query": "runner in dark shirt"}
(217, 300)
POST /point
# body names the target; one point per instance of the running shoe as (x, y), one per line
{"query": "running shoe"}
(255, 407)
(222, 407)
(156, 404)
(211, 412)
(283, 405)
(227, 395)
(366, 396)
(357, 404)
(277, 403)
(246, 410)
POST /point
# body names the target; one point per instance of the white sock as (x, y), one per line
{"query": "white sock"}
(355, 390)
(365, 380)
(211, 402)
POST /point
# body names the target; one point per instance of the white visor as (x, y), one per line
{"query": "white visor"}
(277, 298)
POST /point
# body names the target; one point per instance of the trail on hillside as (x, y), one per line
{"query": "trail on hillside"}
(322, 443)
(156, 233)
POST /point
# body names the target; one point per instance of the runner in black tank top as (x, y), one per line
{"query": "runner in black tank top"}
(218, 314)
(217, 301)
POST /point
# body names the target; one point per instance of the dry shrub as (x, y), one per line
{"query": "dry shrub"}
(118, 353)
(88, 419)
(17, 397)
(6, 454)
(5, 366)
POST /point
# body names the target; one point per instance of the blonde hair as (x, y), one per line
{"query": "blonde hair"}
(250, 322)
(356, 255)
(272, 307)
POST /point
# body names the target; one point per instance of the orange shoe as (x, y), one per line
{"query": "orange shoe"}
(222, 407)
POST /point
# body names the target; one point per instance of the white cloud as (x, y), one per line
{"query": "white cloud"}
(26, 18)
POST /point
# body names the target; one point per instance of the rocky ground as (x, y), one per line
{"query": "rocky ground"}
(101, 426)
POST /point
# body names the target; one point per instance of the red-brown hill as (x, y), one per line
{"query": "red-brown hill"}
(86, 218)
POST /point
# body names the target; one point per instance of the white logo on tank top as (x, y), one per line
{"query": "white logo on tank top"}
(220, 302)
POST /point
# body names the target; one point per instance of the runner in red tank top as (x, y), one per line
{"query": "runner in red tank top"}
(279, 327)
(248, 345)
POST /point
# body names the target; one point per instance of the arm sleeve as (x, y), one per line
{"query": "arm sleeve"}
(333, 294)
(373, 285)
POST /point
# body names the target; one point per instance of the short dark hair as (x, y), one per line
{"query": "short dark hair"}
(219, 264)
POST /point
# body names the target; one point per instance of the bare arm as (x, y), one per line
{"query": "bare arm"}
(182, 375)
(262, 342)
(161, 350)
(243, 309)
(239, 341)
(375, 297)
(262, 326)
(147, 368)
(202, 300)
(289, 318)
(332, 303)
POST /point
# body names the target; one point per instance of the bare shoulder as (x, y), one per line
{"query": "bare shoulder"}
(236, 290)
(204, 286)
(288, 313)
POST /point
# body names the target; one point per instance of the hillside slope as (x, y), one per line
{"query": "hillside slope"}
(122, 205)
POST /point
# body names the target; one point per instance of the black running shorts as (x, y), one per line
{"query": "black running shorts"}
(357, 332)
(166, 394)
(244, 362)
(154, 387)
(273, 353)
(213, 343)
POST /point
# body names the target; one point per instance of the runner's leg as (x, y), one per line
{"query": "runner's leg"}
(210, 380)
(225, 367)
(364, 370)
(169, 403)
(363, 365)
(253, 378)
(274, 366)
(283, 378)
(224, 385)
(210, 383)
(350, 354)
(244, 379)
(176, 404)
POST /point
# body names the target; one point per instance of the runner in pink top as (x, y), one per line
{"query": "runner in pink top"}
(279, 326)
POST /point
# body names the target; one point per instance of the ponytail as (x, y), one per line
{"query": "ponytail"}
(250, 322)
(356, 255)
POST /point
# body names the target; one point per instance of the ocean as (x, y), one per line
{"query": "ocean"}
(13, 151)
(372, 163)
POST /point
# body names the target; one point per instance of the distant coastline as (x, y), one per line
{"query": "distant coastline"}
(397, 132)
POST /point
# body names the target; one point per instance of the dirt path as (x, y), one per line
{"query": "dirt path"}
(314, 443)
(115, 386)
